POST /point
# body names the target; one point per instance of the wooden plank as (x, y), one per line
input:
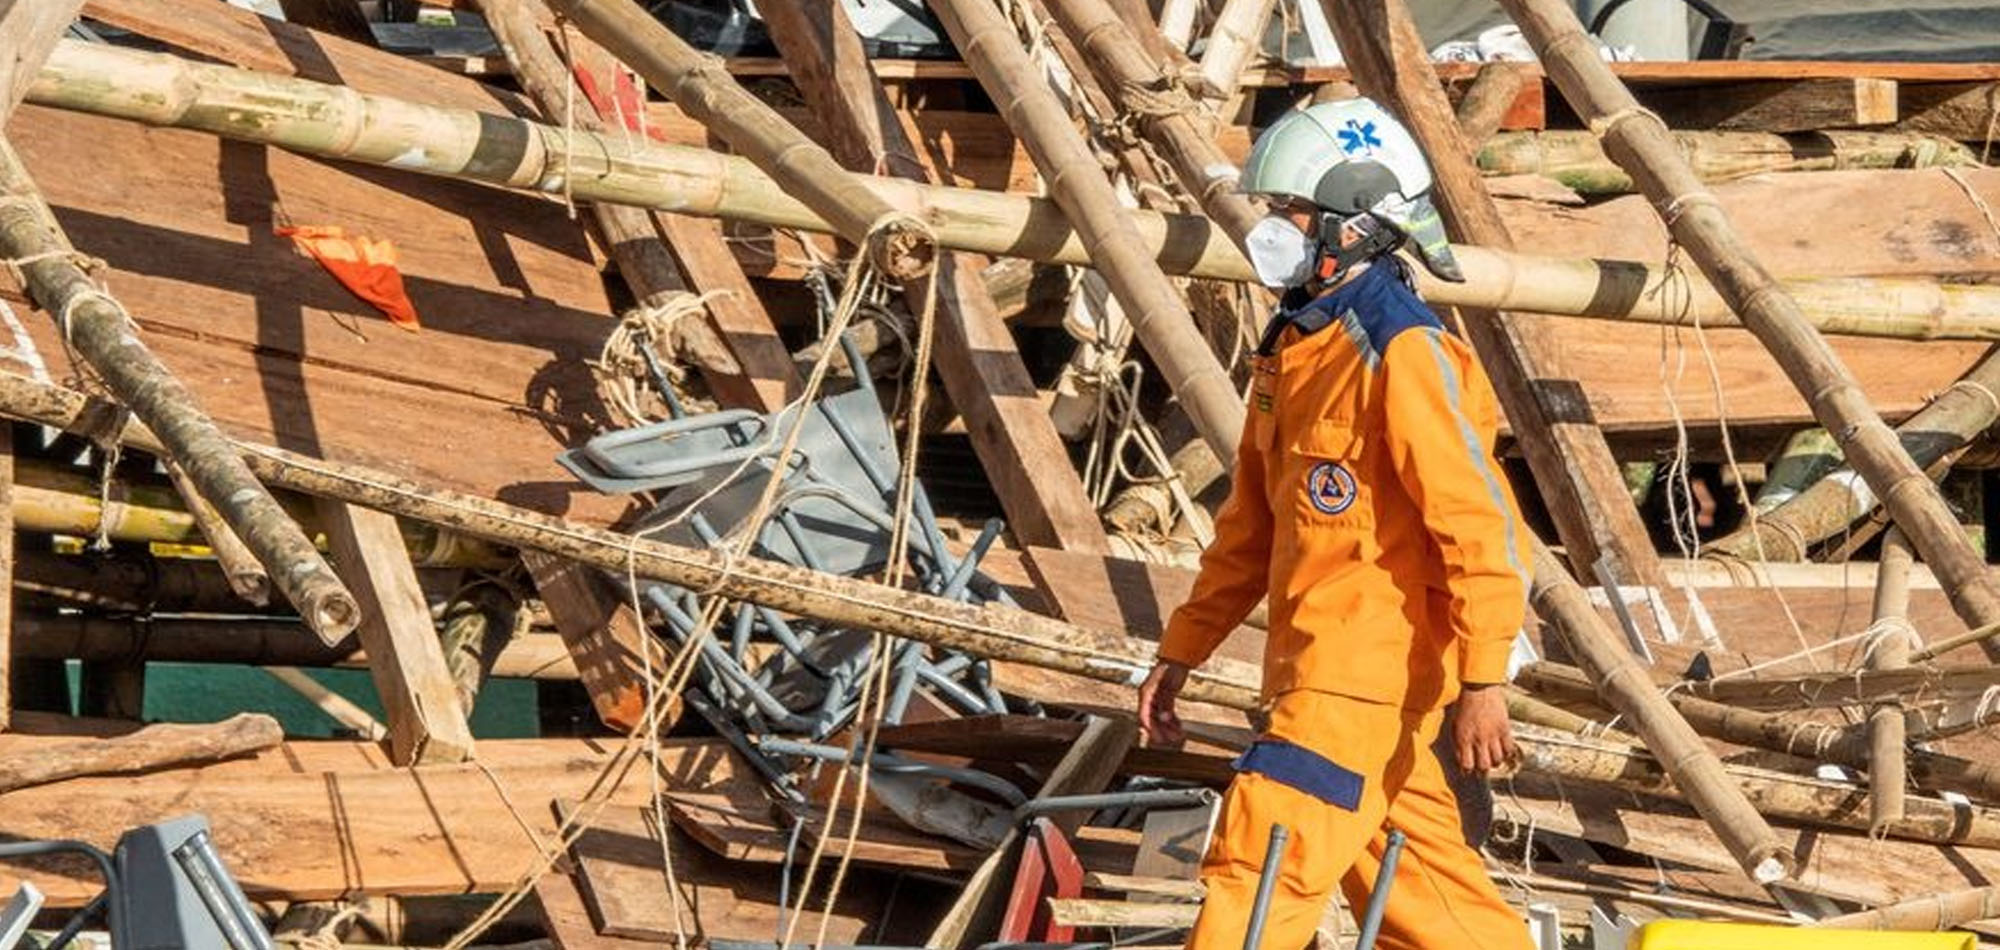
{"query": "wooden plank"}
(427, 723)
(623, 880)
(568, 922)
(327, 820)
(1114, 593)
(740, 830)
(1023, 455)
(29, 30)
(605, 637)
(1965, 111)
(1784, 106)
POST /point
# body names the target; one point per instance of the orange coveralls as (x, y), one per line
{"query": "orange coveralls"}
(1367, 503)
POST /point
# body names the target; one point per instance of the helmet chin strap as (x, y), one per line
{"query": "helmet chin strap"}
(1337, 259)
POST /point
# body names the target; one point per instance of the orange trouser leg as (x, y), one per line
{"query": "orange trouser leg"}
(1442, 896)
(1381, 743)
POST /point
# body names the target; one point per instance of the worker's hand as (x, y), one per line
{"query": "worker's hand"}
(1480, 731)
(1159, 725)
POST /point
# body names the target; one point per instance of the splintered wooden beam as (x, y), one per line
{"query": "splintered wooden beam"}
(426, 722)
(1804, 105)
(982, 371)
(1643, 145)
(605, 636)
(1548, 411)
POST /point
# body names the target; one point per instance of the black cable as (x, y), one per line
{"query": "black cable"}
(22, 849)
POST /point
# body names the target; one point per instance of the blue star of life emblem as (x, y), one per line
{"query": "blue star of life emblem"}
(1358, 136)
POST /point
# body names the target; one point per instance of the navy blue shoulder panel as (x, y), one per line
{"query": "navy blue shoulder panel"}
(1385, 305)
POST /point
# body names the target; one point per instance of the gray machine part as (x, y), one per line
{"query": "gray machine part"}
(173, 893)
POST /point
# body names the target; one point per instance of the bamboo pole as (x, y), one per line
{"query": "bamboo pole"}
(246, 577)
(1623, 684)
(334, 706)
(1641, 143)
(337, 123)
(1789, 734)
(1158, 316)
(100, 331)
(264, 641)
(1486, 101)
(900, 245)
(55, 499)
(1889, 649)
(1932, 913)
(1850, 688)
(1234, 39)
(1577, 160)
(1778, 795)
(477, 625)
(1932, 435)
(991, 630)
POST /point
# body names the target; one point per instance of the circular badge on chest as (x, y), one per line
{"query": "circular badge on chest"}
(1330, 487)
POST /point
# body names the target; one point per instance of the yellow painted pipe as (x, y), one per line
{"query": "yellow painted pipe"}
(1707, 935)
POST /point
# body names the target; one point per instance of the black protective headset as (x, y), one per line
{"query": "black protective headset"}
(1346, 192)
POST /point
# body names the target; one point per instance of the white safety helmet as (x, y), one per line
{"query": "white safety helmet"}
(1352, 158)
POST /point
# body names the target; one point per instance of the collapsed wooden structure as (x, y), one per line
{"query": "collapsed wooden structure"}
(1728, 263)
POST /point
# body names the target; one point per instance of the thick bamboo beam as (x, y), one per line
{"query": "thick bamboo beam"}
(1493, 90)
(1577, 160)
(1889, 649)
(697, 83)
(1548, 412)
(246, 576)
(337, 123)
(105, 337)
(270, 641)
(1790, 734)
(1234, 39)
(1159, 317)
(977, 361)
(1933, 436)
(1622, 682)
(1778, 795)
(652, 269)
(1643, 146)
(991, 630)
(1925, 914)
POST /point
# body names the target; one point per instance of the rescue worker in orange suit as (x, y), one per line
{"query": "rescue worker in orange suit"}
(1368, 506)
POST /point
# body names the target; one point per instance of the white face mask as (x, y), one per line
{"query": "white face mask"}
(1280, 253)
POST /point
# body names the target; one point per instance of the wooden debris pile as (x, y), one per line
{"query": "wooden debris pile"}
(1740, 315)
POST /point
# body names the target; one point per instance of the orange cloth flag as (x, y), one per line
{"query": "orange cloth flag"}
(366, 266)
